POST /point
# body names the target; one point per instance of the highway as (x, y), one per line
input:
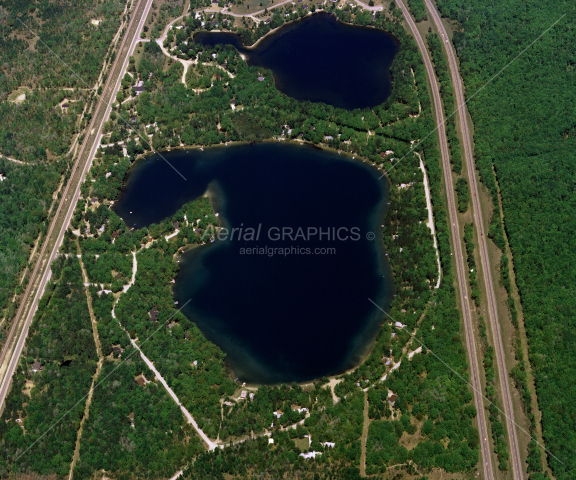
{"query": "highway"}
(40, 276)
(457, 249)
(517, 470)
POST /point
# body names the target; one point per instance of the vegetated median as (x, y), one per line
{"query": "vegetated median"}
(531, 149)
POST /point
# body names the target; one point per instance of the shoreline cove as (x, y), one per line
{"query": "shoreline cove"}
(302, 74)
(283, 287)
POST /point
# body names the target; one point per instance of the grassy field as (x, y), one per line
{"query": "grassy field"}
(250, 6)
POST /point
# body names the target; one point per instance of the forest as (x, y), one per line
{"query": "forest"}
(420, 417)
(61, 343)
(36, 127)
(525, 132)
(25, 197)
(37, 130)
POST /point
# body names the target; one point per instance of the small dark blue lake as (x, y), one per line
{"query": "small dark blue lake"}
(321, 59)
(279, 317)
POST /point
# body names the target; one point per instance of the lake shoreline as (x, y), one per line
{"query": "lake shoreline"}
(262, 175)
(320, 77)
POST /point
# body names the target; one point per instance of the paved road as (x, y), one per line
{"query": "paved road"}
(517, 468)
(458, 255)
(41, 274)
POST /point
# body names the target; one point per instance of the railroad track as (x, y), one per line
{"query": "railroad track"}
(41, 274)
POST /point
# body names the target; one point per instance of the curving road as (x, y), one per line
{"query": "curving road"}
(517, 470)
(458, 249)
(41, 274)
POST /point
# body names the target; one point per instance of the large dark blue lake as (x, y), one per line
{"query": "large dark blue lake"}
(280, 317)
(321, 59)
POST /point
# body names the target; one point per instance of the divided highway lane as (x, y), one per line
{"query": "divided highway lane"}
(517, 470)
(458, 255)
(16, 338)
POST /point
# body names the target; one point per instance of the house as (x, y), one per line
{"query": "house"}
(139, 87)
(140, 380)
(186, 335)
(260, 79)
(176, 225)
(233, 101)
(153, 315)
(310, 454)
(392, 399)
(93, 199)
(172, 324)
(65, 106)
(37, 367)
(117, 350)
(131, 418)
(328, 137)
(312, 127)
(328, 444)
(243, 394)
